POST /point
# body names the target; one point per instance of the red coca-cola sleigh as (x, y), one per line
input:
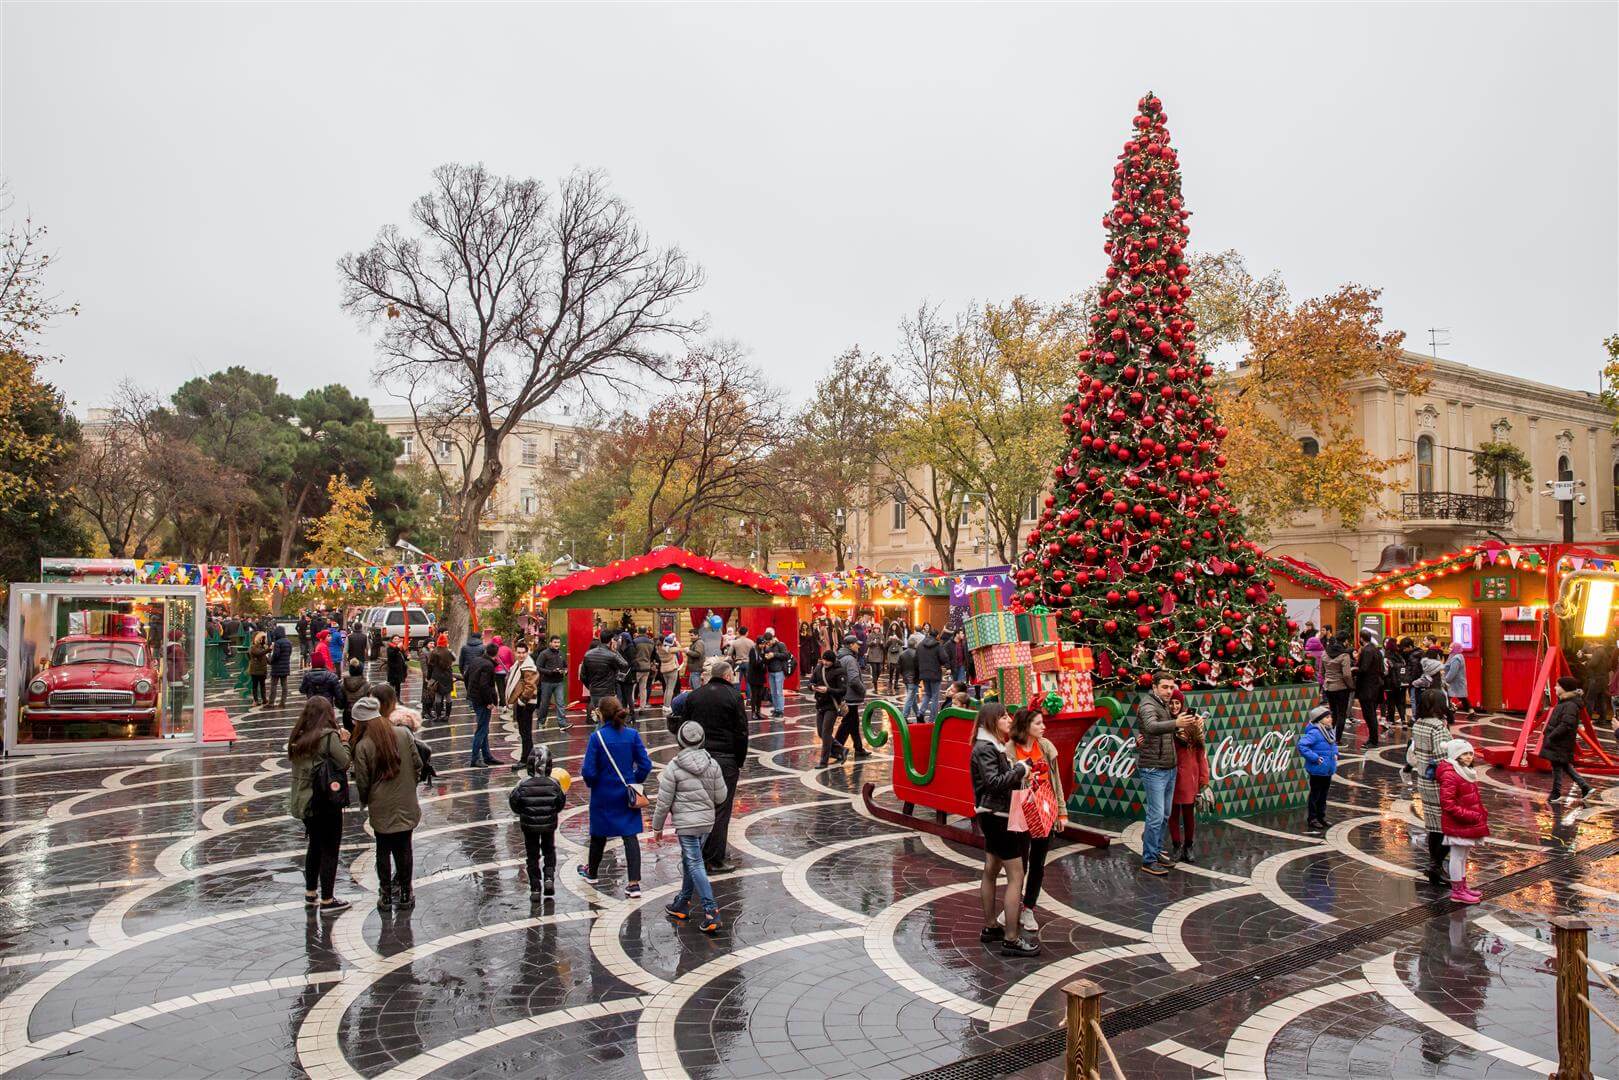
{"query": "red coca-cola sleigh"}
(932, 769)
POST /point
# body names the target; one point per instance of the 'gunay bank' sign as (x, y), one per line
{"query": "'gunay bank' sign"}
(1251, 738)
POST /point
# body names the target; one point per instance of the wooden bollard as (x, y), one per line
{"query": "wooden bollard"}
(1084, 1056)
(1570, 934)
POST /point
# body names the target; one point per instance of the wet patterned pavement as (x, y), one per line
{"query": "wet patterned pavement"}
(152, 925)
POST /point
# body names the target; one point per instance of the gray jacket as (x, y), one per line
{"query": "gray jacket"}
(1154, 723)
(689, 788)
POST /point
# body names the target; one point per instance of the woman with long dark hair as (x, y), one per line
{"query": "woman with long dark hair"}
(1043, 802)
(995, 778)
(1338, 684)
(615, 766)
(385, 773)
(315, 738)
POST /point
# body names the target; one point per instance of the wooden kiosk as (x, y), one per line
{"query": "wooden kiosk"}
(1491, 597)
(666, 580)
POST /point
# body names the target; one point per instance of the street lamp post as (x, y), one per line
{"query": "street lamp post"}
(459, 579)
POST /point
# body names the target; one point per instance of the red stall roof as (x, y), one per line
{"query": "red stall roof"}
(663, 559)
(1307, 574)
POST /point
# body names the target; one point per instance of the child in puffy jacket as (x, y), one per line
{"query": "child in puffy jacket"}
(1318, 746)
(537, 801)
(689, 789)
(1462, 813)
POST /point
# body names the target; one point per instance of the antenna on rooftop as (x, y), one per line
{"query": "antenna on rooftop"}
(1433, 339)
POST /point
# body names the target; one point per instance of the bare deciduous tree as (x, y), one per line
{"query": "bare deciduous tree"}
(504, 295)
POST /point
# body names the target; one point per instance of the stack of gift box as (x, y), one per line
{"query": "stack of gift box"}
(1021, 657)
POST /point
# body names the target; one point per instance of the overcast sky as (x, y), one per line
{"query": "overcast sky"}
(202, 167)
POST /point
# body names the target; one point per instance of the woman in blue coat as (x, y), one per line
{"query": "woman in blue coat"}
(1318, 746)
(615, 758)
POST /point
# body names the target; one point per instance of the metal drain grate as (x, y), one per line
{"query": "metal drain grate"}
(1049, 1046)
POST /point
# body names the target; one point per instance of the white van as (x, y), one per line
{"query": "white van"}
(387, 623)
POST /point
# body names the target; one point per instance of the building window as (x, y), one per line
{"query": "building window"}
(530, 504)
(444, 448)
(407, 446)
(899, 515)
(1564, 470)
(1501, 484)
(1616, 485)
(1032, 511)
(531, 452)
(1310, 446)
(1425, 463)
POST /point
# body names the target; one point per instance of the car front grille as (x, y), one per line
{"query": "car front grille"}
(91, 699)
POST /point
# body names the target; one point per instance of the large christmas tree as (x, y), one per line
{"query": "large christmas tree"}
(1139, 549)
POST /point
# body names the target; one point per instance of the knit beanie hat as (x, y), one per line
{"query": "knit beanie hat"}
(690, 735)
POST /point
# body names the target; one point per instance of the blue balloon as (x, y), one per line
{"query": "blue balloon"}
(715, 622)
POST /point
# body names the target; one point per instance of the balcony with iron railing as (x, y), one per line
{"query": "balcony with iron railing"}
(1455, 508)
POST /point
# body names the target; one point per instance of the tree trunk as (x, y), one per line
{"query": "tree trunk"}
(289, 526)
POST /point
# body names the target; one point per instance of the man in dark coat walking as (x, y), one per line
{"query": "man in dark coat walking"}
(602, 671)
(479, 673)
(1369, 673)
(280, 665)
(717, 707)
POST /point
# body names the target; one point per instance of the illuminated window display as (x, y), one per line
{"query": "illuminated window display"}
(93, 664)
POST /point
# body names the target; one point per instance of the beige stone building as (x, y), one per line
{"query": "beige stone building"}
(539, 455)
(1435, 506)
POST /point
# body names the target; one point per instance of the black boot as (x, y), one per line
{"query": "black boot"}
(1186, 852)
(1436, 859)
(404, 898)
(549, 887)
(385, 897)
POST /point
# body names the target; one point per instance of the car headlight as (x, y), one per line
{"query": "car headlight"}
(37, 687)
(143, 686)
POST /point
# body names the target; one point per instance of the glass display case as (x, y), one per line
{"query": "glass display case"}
(98, 665)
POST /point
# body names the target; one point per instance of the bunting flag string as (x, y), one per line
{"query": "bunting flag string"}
(304, 578)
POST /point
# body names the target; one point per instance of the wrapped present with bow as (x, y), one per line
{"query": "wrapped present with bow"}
(1016, 686)
(1037, 626)
(1074, 687)
(1046, 656)
(985, 602)
(1077, 658)
(997, 628)
(1002, 655)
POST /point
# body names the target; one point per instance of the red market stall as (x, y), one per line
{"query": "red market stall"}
(1489, 597)
(668, 587)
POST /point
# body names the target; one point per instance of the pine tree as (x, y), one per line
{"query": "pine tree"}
(1139, 548)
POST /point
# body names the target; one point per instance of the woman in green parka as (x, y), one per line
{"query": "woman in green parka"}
(316, 738)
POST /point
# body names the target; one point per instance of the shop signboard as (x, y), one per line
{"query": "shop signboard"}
(1495, 587)
(1251, 738)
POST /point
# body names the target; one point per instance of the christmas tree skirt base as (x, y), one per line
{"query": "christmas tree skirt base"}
(1251, 738)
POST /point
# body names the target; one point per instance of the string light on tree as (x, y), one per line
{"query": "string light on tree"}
(1139, 547)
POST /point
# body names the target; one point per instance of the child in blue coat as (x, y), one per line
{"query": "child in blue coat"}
(1319, 748)
(615, 766)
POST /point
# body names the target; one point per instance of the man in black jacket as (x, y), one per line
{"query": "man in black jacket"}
(778, 660)
(553, 667)
(470, 651)
(930, 671)
(280, 665)
(602, 670)
(717, 707)
(1369, 672)
(479, 673)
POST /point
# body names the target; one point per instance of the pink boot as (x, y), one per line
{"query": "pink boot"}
(1461, 894)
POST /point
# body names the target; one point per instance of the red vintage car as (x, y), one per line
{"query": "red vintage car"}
(96, 687)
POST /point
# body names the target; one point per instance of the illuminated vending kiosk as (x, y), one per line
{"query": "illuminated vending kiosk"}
(1465, 631)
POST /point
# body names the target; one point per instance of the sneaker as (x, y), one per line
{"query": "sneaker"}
(535, 896)
(710, 923)
(477, 765)
(333, 906)
(676, 912)
(589, 880)
(1155, 869)
(1020, 947)
(1026, 921)
(992, 933)
(1165, 858)
(632, 891)
(549, 887)
(311, 901)
(404, 899)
